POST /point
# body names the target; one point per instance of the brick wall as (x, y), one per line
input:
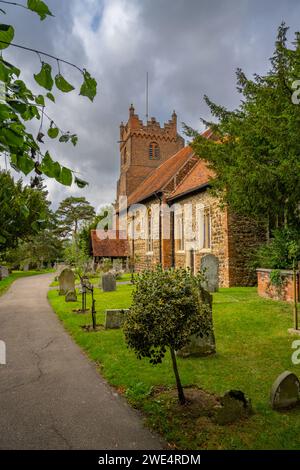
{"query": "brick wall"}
(284, 292)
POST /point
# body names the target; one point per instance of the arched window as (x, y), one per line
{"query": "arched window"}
(154, 152)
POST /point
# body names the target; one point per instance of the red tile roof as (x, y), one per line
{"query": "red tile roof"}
(199, 175)
(108, 247)
(158, 178)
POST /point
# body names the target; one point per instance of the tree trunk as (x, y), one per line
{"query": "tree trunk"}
(181, 396)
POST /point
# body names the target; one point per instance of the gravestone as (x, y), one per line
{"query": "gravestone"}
(285, 392)
(26, 267)
(108, 282)
(210, 266)
(201, 346)
(117, 265)
(66, 281)
(115, 318)
(71, 296)
(3, 272)
(234, 406)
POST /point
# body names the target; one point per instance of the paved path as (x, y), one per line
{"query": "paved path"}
(51, 396)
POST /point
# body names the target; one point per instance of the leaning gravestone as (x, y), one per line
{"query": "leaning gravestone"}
(3, 272)
(66, 281)
(115, 318)
(201, 346)
(285, 392)
(108, 282)
(210, 266)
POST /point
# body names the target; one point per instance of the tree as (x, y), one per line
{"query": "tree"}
(167, 309)
(24, 211)
(22, 105)
(71, 213)
(256, 151)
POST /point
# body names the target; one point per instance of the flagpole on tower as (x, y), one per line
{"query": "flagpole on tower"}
(147, 96)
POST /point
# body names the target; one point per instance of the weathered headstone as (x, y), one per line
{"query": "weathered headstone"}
(234, 405)
(201, 346)
(285, 392)
(117, 265)
(26, 267)
(3, 272)
(66, 281)
(115, 318)
(210, 266)
(108, 282)
(71, 296)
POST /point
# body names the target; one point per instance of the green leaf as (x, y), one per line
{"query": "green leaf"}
(12, 139)
(7, 70)
(65, 176)
(50, 97)
(40, 100)
(53, 132)
(18, 106)
(44, 78)
(74, 139)
(89, 86)
(2, 240)
(62, 84)
(64, 138)
(81, 183)
(12, 67)
(49, 167)
(39, 7)
(24, 211)
(7, 33)
(25, 164)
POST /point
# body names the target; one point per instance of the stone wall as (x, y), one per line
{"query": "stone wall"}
(285, 292)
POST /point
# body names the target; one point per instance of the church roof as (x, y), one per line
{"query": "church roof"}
(161, 176)
(109, 247)
(198, 177)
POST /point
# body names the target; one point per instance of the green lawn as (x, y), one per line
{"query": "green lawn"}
(253, 347)
(6, 283)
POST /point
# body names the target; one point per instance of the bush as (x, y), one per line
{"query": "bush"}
(280, 252)
(167, 309)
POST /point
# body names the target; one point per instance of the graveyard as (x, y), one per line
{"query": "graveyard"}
(253, 347)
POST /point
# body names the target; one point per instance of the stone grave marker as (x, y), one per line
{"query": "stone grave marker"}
(71, 296)
(285, 392)
(3, 272)
(115, 318)
(108, 282)
(66, 281)
(210, 265)
(206, 345)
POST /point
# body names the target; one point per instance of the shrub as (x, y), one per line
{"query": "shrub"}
(167, 309)
(280, 252)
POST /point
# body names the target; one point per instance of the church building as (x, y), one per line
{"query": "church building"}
(170, 216)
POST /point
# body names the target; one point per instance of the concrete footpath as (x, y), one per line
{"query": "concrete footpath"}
(51, 396)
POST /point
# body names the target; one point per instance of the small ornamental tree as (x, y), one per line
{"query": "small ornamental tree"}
(167, 309)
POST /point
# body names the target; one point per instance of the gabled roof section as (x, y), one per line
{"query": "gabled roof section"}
(109, 247)
(161, 176)
(199, 176)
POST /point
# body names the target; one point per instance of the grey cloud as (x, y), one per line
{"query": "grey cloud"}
(189, 47)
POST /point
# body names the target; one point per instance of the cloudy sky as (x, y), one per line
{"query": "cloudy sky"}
(189, 47)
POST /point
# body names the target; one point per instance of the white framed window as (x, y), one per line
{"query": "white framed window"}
(149, 240)
(179, 231)
(204, 227)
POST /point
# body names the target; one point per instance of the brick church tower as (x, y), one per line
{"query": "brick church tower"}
(143, 148)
